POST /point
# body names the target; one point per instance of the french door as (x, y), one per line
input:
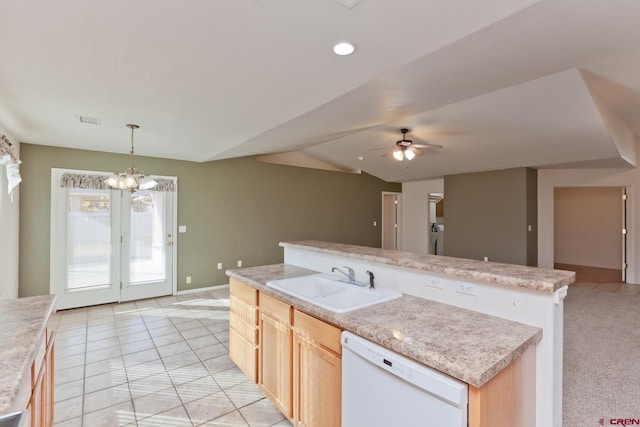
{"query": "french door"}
(110, 245)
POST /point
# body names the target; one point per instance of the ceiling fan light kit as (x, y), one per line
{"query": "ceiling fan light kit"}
(406, 149)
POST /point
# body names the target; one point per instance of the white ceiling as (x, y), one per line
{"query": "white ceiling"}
(499, 83)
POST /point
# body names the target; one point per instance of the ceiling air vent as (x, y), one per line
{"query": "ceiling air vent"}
(349, 4)
(90, 120)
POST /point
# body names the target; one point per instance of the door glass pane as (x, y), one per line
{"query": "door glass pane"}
(147, 238)
(88, 238)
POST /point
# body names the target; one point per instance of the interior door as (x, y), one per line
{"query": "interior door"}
(391, 216)
(147, 245)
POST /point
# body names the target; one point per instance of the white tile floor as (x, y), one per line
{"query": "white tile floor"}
(160, 362)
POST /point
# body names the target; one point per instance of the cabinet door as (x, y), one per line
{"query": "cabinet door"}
(48, 383)
(275, 362)
(317, 385)
(317, 373)
(38, 398)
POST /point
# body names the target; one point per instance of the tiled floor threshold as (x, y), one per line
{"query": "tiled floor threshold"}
(160, 362)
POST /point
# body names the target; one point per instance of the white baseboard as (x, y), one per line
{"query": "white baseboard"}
(196, 290)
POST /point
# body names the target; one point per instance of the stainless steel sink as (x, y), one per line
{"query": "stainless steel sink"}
(327, 291)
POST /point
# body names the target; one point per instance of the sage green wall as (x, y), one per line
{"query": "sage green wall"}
(233, 209)
(487, 214)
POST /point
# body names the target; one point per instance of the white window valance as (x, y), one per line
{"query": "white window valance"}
(96, 182)
(12, 163)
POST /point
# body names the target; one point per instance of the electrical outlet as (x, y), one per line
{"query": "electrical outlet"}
(466, 289)
(486, 259)
(219, 266)
(188, 279)
(434, 282)
(239, 263)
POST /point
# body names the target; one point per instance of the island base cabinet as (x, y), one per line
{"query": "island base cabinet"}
(317, 373)
(275, 353)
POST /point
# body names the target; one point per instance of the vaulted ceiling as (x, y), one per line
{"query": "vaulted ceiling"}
(499, 83)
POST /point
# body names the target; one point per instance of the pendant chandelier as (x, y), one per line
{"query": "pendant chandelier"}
(131, 179)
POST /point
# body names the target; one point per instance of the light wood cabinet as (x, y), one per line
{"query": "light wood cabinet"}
(40, 407)
(275, 352)
(317, 372)
(243, 328)
(297, 361)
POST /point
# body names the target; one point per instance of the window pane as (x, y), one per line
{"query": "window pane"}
(88, 238)
(147, 239)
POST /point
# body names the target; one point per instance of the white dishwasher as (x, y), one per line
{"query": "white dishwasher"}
(381, 388)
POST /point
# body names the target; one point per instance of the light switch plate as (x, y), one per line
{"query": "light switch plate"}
(182, 229)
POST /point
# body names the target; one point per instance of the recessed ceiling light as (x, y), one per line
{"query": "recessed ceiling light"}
(360, 158)
(344, 48)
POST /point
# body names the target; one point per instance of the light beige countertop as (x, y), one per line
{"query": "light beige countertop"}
(24, 321)
(467, 345)
(540, 279)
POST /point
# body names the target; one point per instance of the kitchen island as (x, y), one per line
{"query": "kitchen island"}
(467, 345)
(26, 358)
(467, 318)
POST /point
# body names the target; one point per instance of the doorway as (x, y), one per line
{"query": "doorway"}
(436, 223)
(590, 233)
(110, 245)
(391, 220)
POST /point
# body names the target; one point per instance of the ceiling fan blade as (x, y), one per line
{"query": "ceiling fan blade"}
(427, 146)
(417, 152)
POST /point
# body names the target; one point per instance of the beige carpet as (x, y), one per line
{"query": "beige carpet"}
(601, 354)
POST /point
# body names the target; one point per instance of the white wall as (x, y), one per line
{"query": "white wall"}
(416, 224)
(9, 224)
(548, 179)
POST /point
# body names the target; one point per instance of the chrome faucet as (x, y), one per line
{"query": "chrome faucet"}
(351, 275)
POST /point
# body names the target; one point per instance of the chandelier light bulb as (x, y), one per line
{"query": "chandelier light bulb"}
(398, 155)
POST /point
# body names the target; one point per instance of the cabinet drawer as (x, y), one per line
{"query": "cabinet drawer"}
(245, 329)
(244, 354)
(318, 331)
(243, 310)
(275, 308)
(243, 292)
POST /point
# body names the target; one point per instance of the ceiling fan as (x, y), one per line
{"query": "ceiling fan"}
(406, 149)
